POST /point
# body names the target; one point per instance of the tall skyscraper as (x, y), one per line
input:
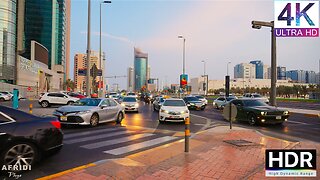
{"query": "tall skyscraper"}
(311, 77)
(67, 39)
(245, 70)
(45, 22)
(148, 73)
(140, 69)
(281, 73)
(8, 40)
(80, 66)
(297, 76)
(259, 69)
(130, 77)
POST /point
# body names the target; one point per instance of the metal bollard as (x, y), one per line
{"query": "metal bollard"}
(186, 135)
(30, 108)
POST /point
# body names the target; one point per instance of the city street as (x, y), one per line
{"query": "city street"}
(140, 131)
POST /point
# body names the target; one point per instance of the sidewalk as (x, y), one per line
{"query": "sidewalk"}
(210, 157)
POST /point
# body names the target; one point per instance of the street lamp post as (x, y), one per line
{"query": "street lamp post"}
(184, 54)
(228, 68)
(88, 88)
(258, 25)
(205, 80)
(101, 80)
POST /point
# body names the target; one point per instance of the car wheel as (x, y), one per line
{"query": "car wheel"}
(19, 154)
(94, 120)
(252, 119)
(45, 104)
(161, 122)
(70, 102)
(119, 118)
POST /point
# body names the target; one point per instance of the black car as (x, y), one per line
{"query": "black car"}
(257, 112)
(194, 103)
(25, 137)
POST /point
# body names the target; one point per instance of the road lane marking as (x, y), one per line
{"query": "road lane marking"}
(141, 145)
(72, 135)
(298, 122)
(73, 141)
(115, 141)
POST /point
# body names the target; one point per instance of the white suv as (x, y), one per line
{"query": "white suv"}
(56, 98)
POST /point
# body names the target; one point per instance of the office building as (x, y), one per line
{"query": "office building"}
(311, 77)
(45, 22)
(130, 76)
(140, 69)
(245, 70)
(266, 72)
(8, 45)
(281, 73)
(148, 73)
(80, 67)
(67, 37)
(259, 69)
(298, 76)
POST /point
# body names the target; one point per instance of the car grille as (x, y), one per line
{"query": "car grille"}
(276, 113)
(174, 113)
(129, 105)
(65, 113)
(75, 119)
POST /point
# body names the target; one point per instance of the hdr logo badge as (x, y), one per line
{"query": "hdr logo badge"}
(291, 163)
(296, 18)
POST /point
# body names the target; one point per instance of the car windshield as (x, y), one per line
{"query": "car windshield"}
(129, 99)
(254, 103)
(200, 97)
(256, 95)
(192, 99)
(174, 103)
(230, 98)
(131, 94)
(87, 102)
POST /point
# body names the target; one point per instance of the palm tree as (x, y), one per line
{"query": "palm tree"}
(69, 84)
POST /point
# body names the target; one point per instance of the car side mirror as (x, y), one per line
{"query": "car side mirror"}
(103, 106)
(65, 97)
(239, 105)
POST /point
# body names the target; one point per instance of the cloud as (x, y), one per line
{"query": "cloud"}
(110, 36)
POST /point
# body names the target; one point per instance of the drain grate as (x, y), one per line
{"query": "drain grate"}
(240, 142)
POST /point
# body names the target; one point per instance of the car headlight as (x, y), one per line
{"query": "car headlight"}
(286, 112)
(263, 113)
(136, 105)
(164, 111)
(192, 104)
(82, 112)
(183, 112)
(122, 104)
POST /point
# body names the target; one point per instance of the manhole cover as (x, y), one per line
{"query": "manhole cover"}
(240, 142)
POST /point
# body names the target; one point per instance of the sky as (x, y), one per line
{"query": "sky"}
(216, 31)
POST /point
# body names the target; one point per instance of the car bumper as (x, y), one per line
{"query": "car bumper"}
(131, 109)
(173, 118)
(273, 119)
(195, 107)
(79, 119)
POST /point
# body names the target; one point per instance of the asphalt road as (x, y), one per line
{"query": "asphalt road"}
(141, 131)
(84, 145)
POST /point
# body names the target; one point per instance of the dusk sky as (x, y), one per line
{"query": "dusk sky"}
(215, 31)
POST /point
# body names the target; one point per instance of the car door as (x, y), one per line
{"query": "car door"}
(62, 99)
(53, 98)
(112, 109)
(103, 110)
(241, 115)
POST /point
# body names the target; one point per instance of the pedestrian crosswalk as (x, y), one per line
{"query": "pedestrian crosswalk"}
(117, 141)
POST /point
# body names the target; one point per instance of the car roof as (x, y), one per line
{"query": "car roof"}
(17, 115)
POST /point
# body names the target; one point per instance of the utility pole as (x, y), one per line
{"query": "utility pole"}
(88, 88)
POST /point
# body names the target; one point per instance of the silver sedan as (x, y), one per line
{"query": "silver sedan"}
(91, 111)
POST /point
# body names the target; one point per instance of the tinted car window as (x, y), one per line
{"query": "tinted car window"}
(112, 102)
(52, 94)
(17, 115)
(3, 119)
(237, 102)
(87, 102)
(174, 103)
(105, 102)
(129, 99)
(254, 103)
(192, 99)
(221, 99)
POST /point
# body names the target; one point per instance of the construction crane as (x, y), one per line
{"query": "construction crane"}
(115, 77)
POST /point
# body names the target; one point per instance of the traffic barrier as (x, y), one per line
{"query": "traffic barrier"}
(30, 108)
(186, 134)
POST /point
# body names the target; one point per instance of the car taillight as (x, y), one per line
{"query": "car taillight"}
(56, 124)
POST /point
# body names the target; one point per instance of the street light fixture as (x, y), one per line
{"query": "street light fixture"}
(205, 80)
(101, 80)
(183, 53)
(258, 25)
(228, 68)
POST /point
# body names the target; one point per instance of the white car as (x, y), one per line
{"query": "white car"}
(4, 97)
(202, 99)
(130, 103)
(256, 96)
(48, 99)
(220, 102)
(174, 110)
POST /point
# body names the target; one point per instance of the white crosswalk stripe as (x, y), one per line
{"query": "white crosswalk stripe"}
(94, 137)
(116, 141)
(73, 135)
(139, 146)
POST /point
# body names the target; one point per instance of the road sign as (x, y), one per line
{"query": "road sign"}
(226, 112)
(29, 88)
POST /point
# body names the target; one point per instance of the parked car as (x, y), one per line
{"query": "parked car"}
(256, 96)
(194, 103)
(76, 95)
(91, 111)
(130, 103)
(255, 111)
(220, 102)
(157, 103)
(173, 110)
(24, 138)
(47, 99)
(4, 97)
(132, 94)
(202, 99)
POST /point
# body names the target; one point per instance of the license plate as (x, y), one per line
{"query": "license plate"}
(278, 117)
(63, 118)
(174, 116)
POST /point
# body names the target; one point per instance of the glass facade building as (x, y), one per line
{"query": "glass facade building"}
(281, 73)
(259, 69)
(45, 22)
(8, 10)
(140, 69)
